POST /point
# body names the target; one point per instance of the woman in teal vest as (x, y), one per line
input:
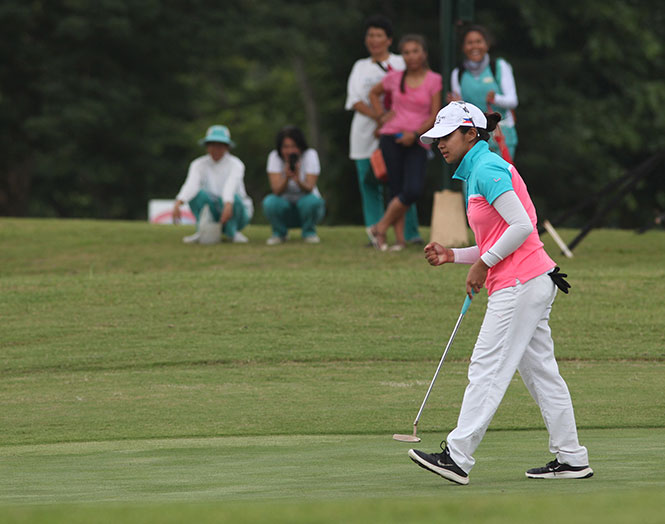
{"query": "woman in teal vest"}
(486, 82)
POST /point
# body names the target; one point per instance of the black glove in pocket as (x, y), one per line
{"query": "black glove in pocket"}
(559, 280)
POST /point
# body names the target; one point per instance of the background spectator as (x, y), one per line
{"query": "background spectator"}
(486, 82)
(293, 170)
(215, 181)
(416, 98)
(366, 73)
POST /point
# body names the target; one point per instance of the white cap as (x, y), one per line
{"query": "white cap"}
(451, 117)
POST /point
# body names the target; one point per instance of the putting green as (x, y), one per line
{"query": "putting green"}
(301, 467)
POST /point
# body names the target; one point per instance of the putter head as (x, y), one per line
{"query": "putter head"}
(406, 438)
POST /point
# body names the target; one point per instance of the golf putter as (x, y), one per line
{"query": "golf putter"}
(415, 437)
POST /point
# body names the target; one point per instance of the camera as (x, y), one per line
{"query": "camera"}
(293, 160)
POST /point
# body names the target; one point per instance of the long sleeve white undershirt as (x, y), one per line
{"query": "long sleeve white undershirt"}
(510, 208)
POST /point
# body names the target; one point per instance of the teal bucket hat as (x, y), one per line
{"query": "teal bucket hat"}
(218, 133)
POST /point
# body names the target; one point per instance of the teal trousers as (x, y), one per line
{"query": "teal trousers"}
(371, 194)
(239, 219)
(283, 215)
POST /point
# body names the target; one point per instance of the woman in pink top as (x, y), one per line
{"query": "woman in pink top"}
(416, 97)
(521, 282)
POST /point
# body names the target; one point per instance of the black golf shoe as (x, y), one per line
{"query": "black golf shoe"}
(555, 470)
(441, 464)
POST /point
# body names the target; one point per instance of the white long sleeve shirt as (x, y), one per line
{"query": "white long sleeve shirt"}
(223, 179)
(510, 208)
(365, 74)
(309, 165)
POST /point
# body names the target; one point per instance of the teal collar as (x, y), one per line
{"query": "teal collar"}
(466, 165)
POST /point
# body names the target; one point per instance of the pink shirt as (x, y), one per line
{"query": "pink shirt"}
(413, 107)
(487, 176)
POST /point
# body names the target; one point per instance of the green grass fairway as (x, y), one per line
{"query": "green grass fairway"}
(143, 380)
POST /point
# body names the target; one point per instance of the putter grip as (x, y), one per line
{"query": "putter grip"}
(467, 303)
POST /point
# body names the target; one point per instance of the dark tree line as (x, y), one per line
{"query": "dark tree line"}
(102, 103)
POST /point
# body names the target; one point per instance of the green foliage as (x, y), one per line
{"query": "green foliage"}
(101, 104)
(591, 89)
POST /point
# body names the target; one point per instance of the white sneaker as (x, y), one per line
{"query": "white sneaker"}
(312, 239)
(192, 239)
(275, 240)
(239, 238)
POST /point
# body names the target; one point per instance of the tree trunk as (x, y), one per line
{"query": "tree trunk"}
(15, 190)
(311, 112)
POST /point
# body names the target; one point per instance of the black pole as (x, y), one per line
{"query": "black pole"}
(644, 169)
(593, 199)
(447, 38)
(451, 13)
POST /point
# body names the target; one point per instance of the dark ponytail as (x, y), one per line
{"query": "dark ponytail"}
(493, 120)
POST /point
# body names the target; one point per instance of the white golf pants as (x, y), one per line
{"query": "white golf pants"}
(515, 335)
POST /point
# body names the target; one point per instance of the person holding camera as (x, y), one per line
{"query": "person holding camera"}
(295, 202)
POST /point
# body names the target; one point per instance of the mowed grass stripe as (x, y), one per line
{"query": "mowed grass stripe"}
(72, 247)
(224, 363)
(641, 506)
(111, 295)
(305, 398)
(120, 320)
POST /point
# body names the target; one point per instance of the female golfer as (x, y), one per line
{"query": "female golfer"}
(520, 278)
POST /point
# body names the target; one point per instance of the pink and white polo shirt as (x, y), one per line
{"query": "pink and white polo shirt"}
(488, 176)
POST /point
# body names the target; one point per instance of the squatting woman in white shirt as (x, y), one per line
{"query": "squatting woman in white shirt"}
(295, 202)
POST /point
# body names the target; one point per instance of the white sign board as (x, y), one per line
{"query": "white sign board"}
(161, 212)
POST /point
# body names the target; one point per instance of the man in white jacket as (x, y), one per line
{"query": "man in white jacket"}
(215, 191)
